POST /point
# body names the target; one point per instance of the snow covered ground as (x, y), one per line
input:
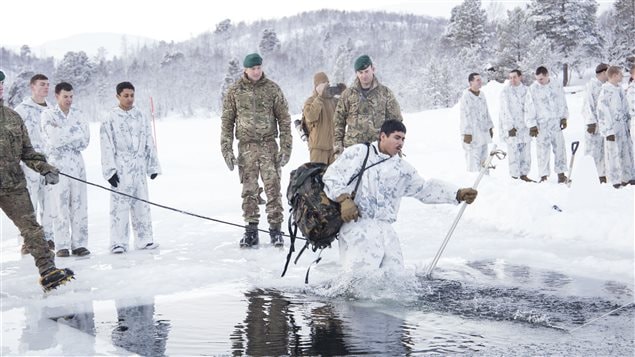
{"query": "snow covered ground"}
(511, 223)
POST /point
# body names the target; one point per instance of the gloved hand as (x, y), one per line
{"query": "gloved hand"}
(563, 123)
(491, 132)
(467, 138)
(283, 159)
(341, 87)
(466, 194)
(114, 180)
(348, 208)
(512, 132)
(320, 88)
(52, 177)
(153, 176)
(591, 128)
(610, 138)
(230, 160)
(533, 131)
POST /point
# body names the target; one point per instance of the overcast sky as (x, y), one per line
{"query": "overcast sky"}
(36, 21)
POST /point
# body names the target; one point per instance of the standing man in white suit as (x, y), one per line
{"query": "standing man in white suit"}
(66, 134)
(31, 110)
(513, 128)
(594, 142)
(477, 128)
(128, 154)
(546, 116)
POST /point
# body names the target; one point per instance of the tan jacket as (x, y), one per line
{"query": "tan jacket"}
(319, 111)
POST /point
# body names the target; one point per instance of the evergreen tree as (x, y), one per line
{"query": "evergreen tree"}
(541, 55)
(343, 68)
(571, 26)
(234, 71)
(269, 41)
(19, 89)
(76, 69)
(622, 46)
(514, 36)
(223, 26)
(467, 27)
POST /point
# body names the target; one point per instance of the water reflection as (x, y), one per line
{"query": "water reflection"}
(277, 325)
(136, 329)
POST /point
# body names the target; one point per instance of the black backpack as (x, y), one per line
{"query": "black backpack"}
(316, 216)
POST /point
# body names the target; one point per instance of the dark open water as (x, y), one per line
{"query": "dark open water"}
(532, 315)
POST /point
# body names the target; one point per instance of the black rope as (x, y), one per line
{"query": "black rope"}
(167, 207)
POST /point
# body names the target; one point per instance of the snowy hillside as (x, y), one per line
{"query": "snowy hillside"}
(512, 223)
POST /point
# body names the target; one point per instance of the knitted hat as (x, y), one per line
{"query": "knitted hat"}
(252, 59)
(320, 77)
(601, 68)
(362, 62)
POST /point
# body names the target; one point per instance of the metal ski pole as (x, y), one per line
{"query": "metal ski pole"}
(574, 148)
(154, 126)
(500, 154)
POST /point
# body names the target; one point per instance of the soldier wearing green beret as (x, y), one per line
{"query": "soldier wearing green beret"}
(255, 111)
(363, 107)
(15, 146)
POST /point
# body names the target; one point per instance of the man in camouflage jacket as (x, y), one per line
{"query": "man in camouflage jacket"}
(255, 111)
(15, 146)
(363, 108)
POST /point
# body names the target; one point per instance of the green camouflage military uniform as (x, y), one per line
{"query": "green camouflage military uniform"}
(358, 118)
(255, 113)
(15, 145)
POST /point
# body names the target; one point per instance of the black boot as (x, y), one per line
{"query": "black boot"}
(250, 237)
(276, 237)
(54, 277)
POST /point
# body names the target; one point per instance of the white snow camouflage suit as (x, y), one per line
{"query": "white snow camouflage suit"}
(127, 149)
(65, 137)
(475, 121)
(614, 119)
(630, 98)
(511, 116)
(545, 105)
(39, 192)
(371, 242)
(594, 143)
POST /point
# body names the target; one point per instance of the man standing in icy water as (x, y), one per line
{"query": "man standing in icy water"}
(15, 146)
(255, 111)
(128, 154)
(363, 107)
(367, 239)
(31, 110)
(65, 134)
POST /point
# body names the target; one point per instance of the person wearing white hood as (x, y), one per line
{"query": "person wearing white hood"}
(65, 133)
(128, 154)
(367, 239)
(614, 120)
(31, 110)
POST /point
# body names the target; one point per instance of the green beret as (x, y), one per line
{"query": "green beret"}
(2, 76)
(362, 62)
(252, 59)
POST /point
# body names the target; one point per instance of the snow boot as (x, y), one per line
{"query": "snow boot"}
(80, 252)
(276, 237)
(250, 237)
(543, 178)
(562, 178)
(526, 179)
(54, 277)
(63, 253)
(602, 179)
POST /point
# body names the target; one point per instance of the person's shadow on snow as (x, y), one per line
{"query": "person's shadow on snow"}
(136, 329)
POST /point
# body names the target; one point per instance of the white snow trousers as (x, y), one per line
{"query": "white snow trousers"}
(619, 156)
(475, 156)
(551, 139)
(369, 244)
(70, 200)
(519, 158)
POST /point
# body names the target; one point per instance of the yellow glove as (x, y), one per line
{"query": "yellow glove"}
(348, 209)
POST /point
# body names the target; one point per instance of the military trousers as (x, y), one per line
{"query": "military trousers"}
(323, 156)
(259, 159)
(16, 204)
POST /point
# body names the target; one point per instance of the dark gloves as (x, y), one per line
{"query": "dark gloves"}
(52, 177)
(533, 131)
(467, 138)
(563, 123)
(230, 160)
(591, 128)
(153, 176)
(512, 132)
(610, 138)
(491, 132)
(466, 194)
(114, 180)
(348, 208)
